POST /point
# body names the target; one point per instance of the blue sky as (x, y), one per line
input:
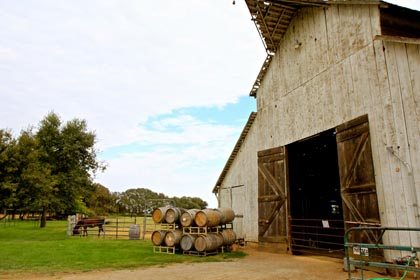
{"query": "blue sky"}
(164, 84)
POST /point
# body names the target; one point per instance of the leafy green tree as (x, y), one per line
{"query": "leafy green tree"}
(8, 171)
(102, 202)
(53, 170)
(68, 150)
(37, 186)
(137, 201)
(190, 202)
(141, 200)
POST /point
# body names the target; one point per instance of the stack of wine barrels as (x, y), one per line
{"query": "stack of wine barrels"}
(194, 231)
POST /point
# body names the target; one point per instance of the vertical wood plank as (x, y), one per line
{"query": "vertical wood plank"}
(396, 164)
(413, 53)
(374, 16)
(332, 24)
(346, 36)
(321, 40)
(410, 133)
(347, 93)
(380, 137)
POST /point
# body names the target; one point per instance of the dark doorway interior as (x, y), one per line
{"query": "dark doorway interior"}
(315, 201)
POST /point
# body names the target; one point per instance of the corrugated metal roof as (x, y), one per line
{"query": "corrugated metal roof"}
(235, 151)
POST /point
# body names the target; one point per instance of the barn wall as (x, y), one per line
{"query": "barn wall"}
(243, 199)
(397, 131)
(329, 70)
(314, 83)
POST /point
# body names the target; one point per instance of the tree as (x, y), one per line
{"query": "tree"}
(190, 202)
(37, 186)
(133, 201)
(141, 200)
(102, 201)
(8, 171)
(68, 150)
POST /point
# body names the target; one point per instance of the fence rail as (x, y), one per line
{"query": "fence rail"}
(317, 236)
(404, 264)
(133, 227)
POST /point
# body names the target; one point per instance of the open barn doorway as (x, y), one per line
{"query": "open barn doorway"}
(316, 220)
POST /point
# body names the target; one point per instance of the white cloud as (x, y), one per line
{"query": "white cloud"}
(7, 54)
(116, 63)
(179, 159)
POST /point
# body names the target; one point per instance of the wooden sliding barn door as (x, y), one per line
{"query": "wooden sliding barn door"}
(357, 179)
(272, 198)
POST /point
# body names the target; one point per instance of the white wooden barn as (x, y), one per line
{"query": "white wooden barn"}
(335, 141)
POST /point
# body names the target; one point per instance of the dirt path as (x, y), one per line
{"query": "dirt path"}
(257, 265)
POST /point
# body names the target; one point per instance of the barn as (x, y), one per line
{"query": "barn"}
(335, 141)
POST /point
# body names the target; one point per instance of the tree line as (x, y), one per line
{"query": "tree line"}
(51, 169)
(136, 201)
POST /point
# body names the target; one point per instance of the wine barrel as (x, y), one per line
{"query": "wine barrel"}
(187, 242)
(229, 237)
(173, 214)
(187, 218)
(172, 237)
(134, 232)
(207, 217)
(227, 215)
(158, 214)
(209, 242)
(158, 237)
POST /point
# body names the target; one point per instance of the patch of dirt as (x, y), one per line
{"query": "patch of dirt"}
(256, 265)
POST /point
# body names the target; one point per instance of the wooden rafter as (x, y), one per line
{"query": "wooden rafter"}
(277, 23)
(263, 23)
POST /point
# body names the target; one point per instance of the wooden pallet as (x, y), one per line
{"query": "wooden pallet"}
(200, 254)
(199, 230)
(221, 250)
(165, 226)
(164, 249)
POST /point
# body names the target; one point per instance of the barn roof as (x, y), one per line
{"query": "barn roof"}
(272, 18)
(235, 151)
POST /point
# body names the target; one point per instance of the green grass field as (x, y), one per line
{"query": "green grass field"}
(26, 248)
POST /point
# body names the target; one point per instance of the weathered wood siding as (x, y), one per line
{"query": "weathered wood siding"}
(329, 70)
(397, 160)
(320, 76)
(243, 171)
